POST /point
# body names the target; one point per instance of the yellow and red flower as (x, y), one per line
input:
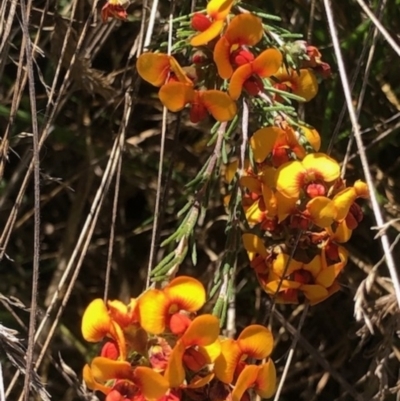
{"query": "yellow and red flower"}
(176, 95)
(324, 211)
(243, 30)
(316, 280)
(230, 367)
(279, 143)
(196, 348)
(119, 378)
(159, 309)
(211, 25)
(114, 9)
(263, 66)
(310, 177)
(98, 322)
(302, 83)
(156, 68)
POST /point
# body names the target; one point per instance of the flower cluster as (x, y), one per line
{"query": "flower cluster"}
(302, 211)
(157, 348)
(229, 57)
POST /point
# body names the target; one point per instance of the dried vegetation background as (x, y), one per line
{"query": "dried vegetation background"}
(99, 137)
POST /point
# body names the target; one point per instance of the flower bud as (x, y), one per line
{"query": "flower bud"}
(200, 22)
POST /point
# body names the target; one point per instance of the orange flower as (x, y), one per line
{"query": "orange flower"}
(316, 280)
(114, 9)
(156, 307)
(261, 378)
(217, 11)
(176, 95)
(109, 376)
(155, 68)
(280, 143)
(196, 348)
(261, 204)
(302, 83)
(324, 211)
(254, 341)
(265, 65)
(97, 324)
(244, 29)
(311, 176)
(260, 258)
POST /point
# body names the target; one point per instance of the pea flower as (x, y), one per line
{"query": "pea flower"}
(302, 83)
(119, 379)
(212, 24)
(279, 143)
(243, 30)
(176, 95)
(192, 351)
(159, 309)
(316, 280)
(114, 9)
(311, 177)
(230, 367)
(263, 66)
(325, 211)
(156, 67)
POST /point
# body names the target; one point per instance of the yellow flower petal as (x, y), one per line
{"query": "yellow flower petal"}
(267, 63)
(104, 369)
(179, 72)
(91, 383)
(306, 85)
(219, 104)
(283, 265)
(153, 67)
(288, 179)
(96, 322)
(254, 215)
(204, 330)
(176, 95)
(343, 201)
(153, 386)
(199, 382)
(238, 78)
(153, 306)
(209, 34)
(222, 51)
(322, 211)
(186, 293)
(230, 170)
(266, 380)
(254, 244)
(272, 286)
(361, 189)
(225, 364)
(285, 206)
(253, 184)
(270, 201)
(312, 136)
(244, 29)
(326, 166)
(314, 292)
(342, 232)
(256, 341)
(219, 9)
(175, 372)
(315, 266)
(246, 379)
(263, 141)
(212, 351)
(326, 277)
